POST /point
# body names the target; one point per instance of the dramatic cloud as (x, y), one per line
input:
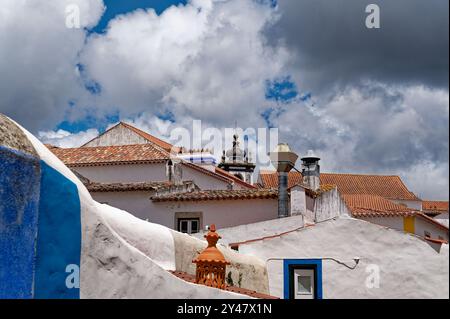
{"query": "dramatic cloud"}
(38, 55)
(332, 46)
(206, 60)
(368, 101)
(377, 129)
(62, 138)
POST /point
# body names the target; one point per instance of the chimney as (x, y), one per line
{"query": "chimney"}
(311, 170)
(284, 160)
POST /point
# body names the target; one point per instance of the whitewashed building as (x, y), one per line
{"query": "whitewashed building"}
(185, 190)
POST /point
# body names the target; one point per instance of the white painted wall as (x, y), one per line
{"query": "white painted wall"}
(224, 213)
(136, 203)
(395, 222)
(422, 225)
(414, 204)
(329, 205)
(409, 267)
(128, 173)
(442, 218)
(124, 173)
(202, 180)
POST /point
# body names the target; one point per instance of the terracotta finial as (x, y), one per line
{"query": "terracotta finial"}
(211, 264)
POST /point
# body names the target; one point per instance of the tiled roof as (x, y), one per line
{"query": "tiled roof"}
(204, 195)
(377, 206)
(435, 206)
(360, 203)
(125, 187)
(191, 278)
(107, 155)
(391, 187)
(270, 179)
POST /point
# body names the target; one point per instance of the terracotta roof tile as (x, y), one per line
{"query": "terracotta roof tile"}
(191, 278)
(104, 155)
(377, 206)
(270, 179)
(204, 195)
(435, 206)
(391, 187)
(95, 187)
(372, 202)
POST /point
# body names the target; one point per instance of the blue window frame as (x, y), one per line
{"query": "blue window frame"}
(290, 264)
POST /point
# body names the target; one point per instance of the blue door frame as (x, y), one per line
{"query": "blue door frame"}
(316, 263)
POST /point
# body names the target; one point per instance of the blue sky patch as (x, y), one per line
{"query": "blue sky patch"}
(90, 121)
(281, 90)
(117, 7)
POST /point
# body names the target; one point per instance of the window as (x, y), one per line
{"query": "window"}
(189, 225)
(302, 278)
(304, 286)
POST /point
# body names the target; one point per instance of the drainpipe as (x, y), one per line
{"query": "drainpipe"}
(283, 208)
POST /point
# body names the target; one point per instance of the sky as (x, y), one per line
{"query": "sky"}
(372, 101)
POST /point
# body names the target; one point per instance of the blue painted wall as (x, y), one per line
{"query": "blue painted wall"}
(305, 262)
(40, 228)
(19, 200)
(59, 235)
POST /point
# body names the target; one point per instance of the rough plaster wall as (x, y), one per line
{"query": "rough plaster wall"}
(114, 269)
(118, 135)
(267, 228)
(20, 175)
(298, 200)
(13, 137)
(245, 271)
(329, 205)
(409, 267)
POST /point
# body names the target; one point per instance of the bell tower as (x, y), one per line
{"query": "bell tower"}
(236, 161)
